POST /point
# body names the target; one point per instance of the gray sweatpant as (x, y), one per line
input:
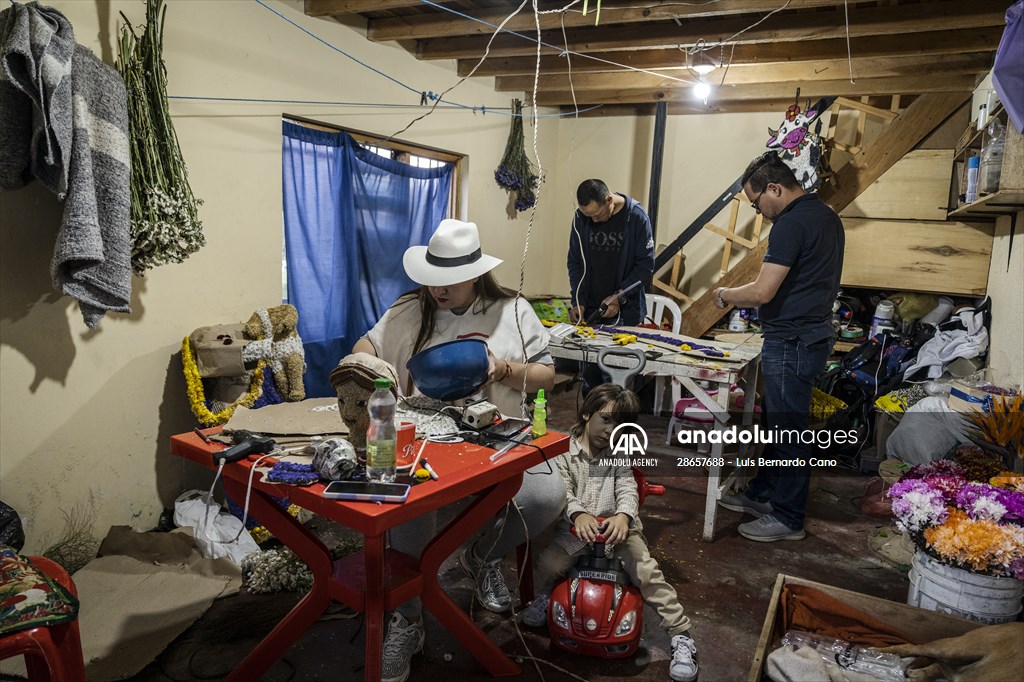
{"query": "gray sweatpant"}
(540, 499)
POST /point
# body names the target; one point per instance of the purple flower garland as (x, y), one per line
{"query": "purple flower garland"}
(292, 473)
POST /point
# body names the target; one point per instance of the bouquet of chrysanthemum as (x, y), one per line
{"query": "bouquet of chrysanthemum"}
(974, 525)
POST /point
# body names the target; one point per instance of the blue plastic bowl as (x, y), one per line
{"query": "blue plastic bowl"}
(450, 371)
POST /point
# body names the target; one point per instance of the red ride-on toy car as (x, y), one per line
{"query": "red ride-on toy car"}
(595, 611)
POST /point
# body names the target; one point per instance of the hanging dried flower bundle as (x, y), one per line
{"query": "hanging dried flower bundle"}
(165, 223)
(516, 173)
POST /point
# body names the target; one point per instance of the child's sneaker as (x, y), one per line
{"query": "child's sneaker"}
(536, 614)
(683, 667)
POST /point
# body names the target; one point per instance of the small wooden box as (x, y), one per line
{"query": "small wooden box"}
(920, 623)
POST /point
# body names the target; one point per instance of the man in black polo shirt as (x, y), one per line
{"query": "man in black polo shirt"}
(794, 292)
(611, 246)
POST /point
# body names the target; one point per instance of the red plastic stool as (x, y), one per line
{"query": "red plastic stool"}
(54, 652)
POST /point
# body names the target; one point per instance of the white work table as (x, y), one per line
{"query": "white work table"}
(740, 367)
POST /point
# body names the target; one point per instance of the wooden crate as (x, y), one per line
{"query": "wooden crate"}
(920, 623)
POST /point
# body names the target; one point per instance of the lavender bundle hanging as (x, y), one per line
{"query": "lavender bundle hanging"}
(516, 173)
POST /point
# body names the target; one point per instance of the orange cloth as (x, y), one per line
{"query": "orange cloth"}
(810, 610)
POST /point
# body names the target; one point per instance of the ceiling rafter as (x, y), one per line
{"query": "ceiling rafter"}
(871, 21)
(636, 55)
(418, 26)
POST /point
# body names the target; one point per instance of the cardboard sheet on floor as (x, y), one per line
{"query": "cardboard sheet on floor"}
(313, 417)
(132, 607)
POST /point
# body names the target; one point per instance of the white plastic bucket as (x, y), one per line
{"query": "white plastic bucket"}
(946, 589)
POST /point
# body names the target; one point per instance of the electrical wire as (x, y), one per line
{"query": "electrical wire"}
(498, 111)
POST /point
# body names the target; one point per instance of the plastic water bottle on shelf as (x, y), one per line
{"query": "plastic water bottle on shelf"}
(848, 656)
(990, 171)
(381, 436)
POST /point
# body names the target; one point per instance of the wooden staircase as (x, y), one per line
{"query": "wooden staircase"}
(903, 132)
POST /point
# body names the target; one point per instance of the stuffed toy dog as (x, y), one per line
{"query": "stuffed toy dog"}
(277, 341)
(986, 654)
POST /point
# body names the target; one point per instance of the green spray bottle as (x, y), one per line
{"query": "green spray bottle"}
(540, 415)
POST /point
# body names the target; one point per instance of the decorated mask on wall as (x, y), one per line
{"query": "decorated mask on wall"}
(353, 381)
(797, 145)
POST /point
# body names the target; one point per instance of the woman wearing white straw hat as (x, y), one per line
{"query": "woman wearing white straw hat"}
(459, 298)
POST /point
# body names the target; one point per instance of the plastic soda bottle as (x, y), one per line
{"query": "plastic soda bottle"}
(381, 436)
(540, 415)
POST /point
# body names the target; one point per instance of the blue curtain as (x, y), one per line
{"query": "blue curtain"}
(349, 216)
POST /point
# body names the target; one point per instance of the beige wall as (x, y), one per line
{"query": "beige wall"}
(1006, 352)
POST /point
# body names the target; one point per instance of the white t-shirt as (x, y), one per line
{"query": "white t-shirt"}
(394, 336)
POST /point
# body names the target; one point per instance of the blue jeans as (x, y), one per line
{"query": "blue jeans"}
(789, 368)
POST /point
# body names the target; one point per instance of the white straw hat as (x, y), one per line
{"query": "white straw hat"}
(452, 256)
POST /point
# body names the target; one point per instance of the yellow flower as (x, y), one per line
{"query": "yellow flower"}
(197, 397)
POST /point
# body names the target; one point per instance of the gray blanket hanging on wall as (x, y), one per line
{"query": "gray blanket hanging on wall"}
(64, 122)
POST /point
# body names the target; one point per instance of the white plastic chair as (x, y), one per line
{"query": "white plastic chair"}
(657, 307)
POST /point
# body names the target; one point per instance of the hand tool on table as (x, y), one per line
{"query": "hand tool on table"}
(594, 316)
(246, 443)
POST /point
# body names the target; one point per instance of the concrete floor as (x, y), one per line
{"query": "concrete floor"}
(725, 587)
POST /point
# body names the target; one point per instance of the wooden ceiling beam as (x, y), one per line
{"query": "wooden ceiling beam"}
(862, 87)
(694, 107)
(742, 74)
(871, 21)
(325, 8)
(931, 43)
(440, 24)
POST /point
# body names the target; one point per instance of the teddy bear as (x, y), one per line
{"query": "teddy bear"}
(276, 341)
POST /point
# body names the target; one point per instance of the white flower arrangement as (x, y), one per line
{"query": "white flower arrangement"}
(276, 570)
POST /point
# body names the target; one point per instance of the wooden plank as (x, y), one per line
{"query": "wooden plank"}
(446, 24)
(806, 71)
(727, 247)
(915, 188)
(864, 21)
(919, 119)
(729, 236)
(862, 106)
(323, 8)
(864, 86)
(917, 255)
(931, 43)
(671, 291)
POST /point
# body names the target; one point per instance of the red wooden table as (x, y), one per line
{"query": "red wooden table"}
(377, 580)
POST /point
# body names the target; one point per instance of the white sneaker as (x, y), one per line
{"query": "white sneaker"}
(536, 614)
(683, 667)
(491, 590)
(402, 641)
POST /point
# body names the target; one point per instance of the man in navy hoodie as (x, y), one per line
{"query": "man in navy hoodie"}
(611, 246)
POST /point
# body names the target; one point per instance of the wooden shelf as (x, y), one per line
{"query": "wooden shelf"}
(1009, 198)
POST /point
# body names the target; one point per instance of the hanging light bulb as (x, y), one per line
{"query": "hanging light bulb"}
(702, 90)
(699, 63)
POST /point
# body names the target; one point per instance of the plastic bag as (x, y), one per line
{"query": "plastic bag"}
(216, 531)
(11, 532)
(847, 656)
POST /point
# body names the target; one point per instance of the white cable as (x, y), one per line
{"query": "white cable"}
(849, 54)
(245, 509)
